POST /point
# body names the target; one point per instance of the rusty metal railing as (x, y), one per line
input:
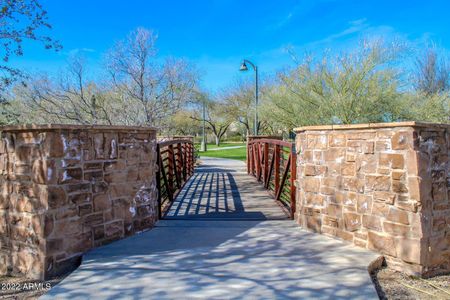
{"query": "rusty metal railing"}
(273, 162)
(176, 161)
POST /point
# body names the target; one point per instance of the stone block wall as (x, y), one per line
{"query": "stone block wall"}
(66, 189)
(382, 186)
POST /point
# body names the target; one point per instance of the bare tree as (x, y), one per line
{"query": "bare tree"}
(71, 98)
(158, 89)
(432, 73)
(20, 20)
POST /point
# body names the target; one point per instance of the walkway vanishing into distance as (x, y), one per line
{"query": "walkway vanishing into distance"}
(223, 238)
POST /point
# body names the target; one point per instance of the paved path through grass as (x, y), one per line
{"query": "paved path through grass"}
(246, 251)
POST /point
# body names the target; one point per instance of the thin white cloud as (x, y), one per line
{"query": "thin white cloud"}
(79, 50)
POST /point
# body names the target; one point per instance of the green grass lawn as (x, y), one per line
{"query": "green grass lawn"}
(239, 153)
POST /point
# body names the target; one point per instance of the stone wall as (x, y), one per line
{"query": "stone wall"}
(67, 189)
(383, 187)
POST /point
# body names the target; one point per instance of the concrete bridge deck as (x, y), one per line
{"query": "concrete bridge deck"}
(224, 238)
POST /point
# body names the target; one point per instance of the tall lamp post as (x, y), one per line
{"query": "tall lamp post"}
(203, 144)
(255, 68)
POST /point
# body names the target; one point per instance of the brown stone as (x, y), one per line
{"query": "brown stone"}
(392, 160)
(398, 175)
(398, 216)
(56, 197)
(410, 250)
(53, 145)
(348, 169)
(84, 209)
(101, 202)
(382, 243)
(93, 219)
(335, 155)
(378, 183)
(311, 184)
(72, 175)
(48, 225)
(80, 198)
(368, 147)
(337, 140)
(347, 236)
(114, 229)
(330, 221)
(401, 140)
(352, 221)
(399, 187)
(371, 222)
(99, 232)
(363, 204)
(395, 229)
(313, 223)
(386, 197)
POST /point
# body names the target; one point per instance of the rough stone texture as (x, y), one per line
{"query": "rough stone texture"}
(382, 186)
(66, 189)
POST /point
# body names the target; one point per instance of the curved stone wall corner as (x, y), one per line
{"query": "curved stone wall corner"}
(69, 188)
(381, 186)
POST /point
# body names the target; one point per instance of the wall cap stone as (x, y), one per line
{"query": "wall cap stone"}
(371, 126)
(54, 127)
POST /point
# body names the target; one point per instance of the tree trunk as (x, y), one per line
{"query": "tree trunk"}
(217, 140)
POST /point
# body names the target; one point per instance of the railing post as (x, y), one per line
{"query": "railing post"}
(248, 157)
(266, 161)
(277, 168)
(292, 179)
(171, 168)
(158, 180)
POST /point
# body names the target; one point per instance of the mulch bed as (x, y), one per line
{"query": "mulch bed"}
(392, 284)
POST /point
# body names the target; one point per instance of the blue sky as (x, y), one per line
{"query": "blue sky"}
(215, 35)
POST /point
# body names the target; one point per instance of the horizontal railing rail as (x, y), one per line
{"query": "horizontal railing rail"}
(176, 161)
(273, 162)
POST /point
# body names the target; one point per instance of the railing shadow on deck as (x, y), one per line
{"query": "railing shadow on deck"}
(211, 194)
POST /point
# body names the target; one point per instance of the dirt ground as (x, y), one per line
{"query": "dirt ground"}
(20, 288)
(391, 285)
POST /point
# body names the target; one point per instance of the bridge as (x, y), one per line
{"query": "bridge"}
(225, 232)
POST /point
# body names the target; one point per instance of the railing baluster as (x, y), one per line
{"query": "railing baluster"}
(175, 161)
(262, 165)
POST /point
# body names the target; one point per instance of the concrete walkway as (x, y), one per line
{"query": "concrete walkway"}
(194, 256)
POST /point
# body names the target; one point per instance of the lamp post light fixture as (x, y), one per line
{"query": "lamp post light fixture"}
(255, 68)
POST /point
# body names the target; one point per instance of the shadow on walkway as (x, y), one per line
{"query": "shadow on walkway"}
(214, 250)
